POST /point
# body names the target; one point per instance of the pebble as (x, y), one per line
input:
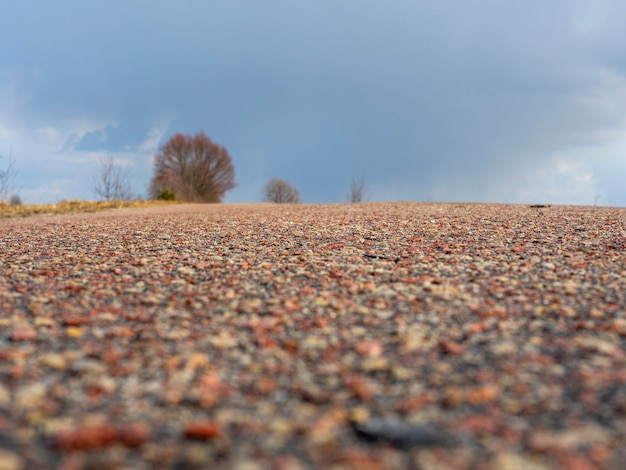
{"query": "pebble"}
(508, 461)
(86, 438)
(10, 460)
(5, 395)
(403, 435)
(23, 334)
(30, 396)
(53, 361)
(202, 430)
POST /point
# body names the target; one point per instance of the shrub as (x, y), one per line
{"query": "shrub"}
(167, 195)
(281, 192)
(15, 200)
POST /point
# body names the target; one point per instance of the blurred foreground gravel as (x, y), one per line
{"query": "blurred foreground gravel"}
(355, 336)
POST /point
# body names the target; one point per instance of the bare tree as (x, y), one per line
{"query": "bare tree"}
(279, 191)
(194, 168)
(6, 178)
(358, 190)
(111, 181)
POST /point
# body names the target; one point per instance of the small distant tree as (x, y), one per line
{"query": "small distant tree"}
(281, 192)
(358, 190)
(6, 178)
(15, 200)
(111, 181)
(192, 168)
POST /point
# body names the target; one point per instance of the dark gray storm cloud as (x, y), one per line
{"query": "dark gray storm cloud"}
(449, 100)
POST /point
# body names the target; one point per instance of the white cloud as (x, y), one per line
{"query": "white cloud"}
(49, 169)
(559, 182)
(43, 144)
(49, 133)
(153, 139)
(589, 16)
(50, 191)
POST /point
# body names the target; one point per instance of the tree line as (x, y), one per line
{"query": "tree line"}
(194, 168)
(188, 168)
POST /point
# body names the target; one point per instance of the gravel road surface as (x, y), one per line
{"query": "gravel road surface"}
(287, 337)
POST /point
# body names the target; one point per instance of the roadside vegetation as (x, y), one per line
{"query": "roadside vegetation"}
(65, 207)
(186, 168)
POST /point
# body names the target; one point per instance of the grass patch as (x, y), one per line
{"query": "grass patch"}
(67, 207)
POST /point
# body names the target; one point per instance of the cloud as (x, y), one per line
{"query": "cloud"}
(115, 137)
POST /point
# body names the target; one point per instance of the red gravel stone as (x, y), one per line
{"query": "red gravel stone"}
(134, 435)
(202, 430)
(23, 334)
(450, 347)
(86, 438)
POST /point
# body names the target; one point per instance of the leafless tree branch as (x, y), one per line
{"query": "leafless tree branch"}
(6, 178)
(358, 190)
(279, 191)
(111, 182)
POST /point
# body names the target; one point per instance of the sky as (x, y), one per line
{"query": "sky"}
(483, 101)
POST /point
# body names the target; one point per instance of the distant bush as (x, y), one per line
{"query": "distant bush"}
(166, 195)
(15, 200)
(281, 192)
(358, 190)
